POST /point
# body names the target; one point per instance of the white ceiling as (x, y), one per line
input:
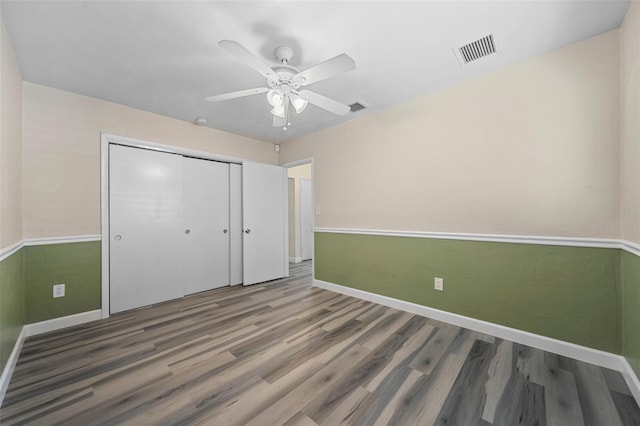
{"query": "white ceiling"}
(163, 57)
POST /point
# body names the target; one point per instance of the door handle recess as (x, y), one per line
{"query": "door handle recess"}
(247, 231)
(224, 231)
(187, 231)
(117, 237)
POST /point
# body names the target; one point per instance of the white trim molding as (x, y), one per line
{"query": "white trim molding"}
(39, 328)
(62, 322)
(631, 378)
(8, 251)
(295, 259)
(560, 347)
(11, 364)
(582, 353)
(498, 238)
(107, 139)
(629, 246)
(61, 240)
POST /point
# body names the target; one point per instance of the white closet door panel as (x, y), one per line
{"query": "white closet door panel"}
(206, 225)
(306, 219)
(264, 215)
(235, 223)
(145, 202)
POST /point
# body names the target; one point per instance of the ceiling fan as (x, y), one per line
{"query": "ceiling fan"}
(285, 84)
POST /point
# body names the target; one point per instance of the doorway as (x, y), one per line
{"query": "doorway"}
(300, 205)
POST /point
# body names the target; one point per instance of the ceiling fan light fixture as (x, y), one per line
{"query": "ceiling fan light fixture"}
(275, 98)
(278, 111)
(299, 103)
(285, 84)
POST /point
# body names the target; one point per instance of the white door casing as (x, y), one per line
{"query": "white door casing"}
(206, 225)
(235, 223)
(306, 219)
(145, 227)
(263, 218)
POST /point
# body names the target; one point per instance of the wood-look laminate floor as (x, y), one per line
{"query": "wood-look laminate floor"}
(287, 353)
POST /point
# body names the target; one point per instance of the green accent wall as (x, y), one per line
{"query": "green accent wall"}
(587, 296)
(630, 298)
(12, 308)
(567, 293)
(75, 264)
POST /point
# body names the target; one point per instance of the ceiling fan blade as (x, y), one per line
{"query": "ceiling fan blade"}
(279, 121)
(329, 68)
(249, 58)
(238, 94)
(326, 103)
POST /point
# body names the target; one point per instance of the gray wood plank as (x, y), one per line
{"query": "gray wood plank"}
(465, 402)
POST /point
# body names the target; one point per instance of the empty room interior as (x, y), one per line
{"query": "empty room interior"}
(320, 213)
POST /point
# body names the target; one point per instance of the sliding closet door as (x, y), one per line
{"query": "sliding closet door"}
(145, 226)
(206, 225)
(264, 216)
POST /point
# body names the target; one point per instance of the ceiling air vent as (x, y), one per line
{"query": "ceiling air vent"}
(355, 107)
(477, 49)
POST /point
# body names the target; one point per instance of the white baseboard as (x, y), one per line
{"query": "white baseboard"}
(295, 259)
(582, 353)
(62, 322)
(631, 378)
(39, 328)
(11, 364)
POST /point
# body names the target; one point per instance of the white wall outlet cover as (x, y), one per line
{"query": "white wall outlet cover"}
(58, 290)
(438, 284)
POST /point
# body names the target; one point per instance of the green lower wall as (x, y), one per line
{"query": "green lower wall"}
(567, 293)
(587, 296)
(630, 297)
(12, 307)
(75, 264)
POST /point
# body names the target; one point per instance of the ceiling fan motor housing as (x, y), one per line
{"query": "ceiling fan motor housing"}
(283, 54)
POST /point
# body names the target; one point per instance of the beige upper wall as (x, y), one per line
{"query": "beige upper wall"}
(630, 122)
(10, 144)
(62, 154)
(302, 171)
(531, 149)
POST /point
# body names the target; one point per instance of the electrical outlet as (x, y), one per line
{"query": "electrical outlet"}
(58, 290)
(438, 284)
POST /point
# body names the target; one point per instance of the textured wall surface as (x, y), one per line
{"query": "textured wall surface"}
(12, 304)
(630, 122)
(630, 296)
(10, 144)
(62, 154)
(568, 293)
(75, 264)
(12, 312)
(630, 179)
(531, 149)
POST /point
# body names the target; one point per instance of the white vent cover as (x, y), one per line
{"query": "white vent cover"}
(476, 49)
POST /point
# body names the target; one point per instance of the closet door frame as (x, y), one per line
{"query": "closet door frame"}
(107, 139)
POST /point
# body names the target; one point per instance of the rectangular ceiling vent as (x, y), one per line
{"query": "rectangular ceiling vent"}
(477, 49)
(357, 106)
